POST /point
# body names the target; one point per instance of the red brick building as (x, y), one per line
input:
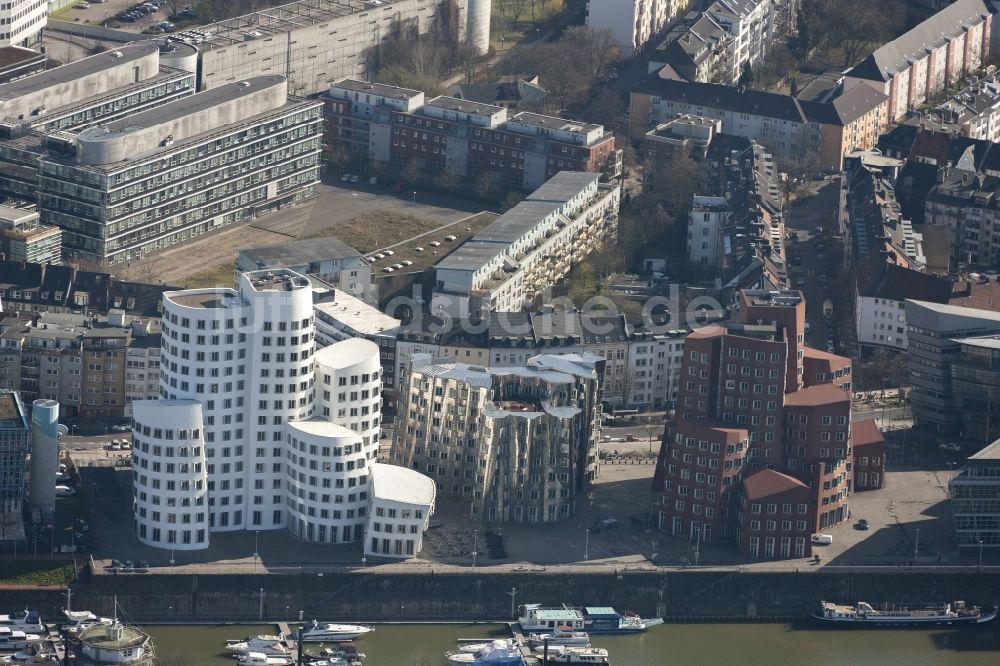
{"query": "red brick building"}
(774, 517)
(869, 456)
(753, 401)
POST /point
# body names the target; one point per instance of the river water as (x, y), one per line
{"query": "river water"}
(666, 645)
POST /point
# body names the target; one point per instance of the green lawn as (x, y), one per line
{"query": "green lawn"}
(35, 573)
(220, 276)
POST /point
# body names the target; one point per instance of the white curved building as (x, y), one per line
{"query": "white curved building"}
(401, 508)
(171, 483)
(289, 438)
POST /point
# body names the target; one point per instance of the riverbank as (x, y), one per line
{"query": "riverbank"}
(468, 597)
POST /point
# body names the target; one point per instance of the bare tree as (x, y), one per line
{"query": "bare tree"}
(411, 173)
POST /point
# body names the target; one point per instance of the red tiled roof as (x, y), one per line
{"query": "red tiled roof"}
(710, 331)
(819, 354)
(812, 396)
(865, 433)
(769, 482)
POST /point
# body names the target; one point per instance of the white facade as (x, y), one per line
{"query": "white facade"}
(171, 484)
(401, 507)
(749, 23)
(44, 456)
(142, 374)
(705, 223)
(654, 368)
(881, 322)
(633, 23)
(22, 21)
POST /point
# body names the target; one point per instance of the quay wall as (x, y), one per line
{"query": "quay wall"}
(715, 595)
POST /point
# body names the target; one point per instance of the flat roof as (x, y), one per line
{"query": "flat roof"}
(400, 484)
(515, 222)
(471, 255)
(990, 452)
(555, 123)
(11, 414)
(12, 213)
(346, 353)
(300, 252)
(464, 105)
(204, 299)
(358, 315)
(563, 186)
(380, 89)
(75, 70)
(13, 55)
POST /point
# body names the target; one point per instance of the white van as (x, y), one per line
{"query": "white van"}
(822, 539)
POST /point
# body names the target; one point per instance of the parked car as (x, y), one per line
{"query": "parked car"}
(861, 524)
(82, 5)
(418, 249)
(116, 445)
(950, 446)
(355, 179)
(126, 446)
(822, 539)
(435, 243)
(345, 178)
(64, 491)
(450, 237)
(389, 253)
(122, 427)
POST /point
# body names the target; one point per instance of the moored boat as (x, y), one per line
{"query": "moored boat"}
(323, 632)
(862, 614)
(261, 659)
(497, 653)
(561, 636)
(535, 618)
(606, 620)
(269, 645)
(15, 639)
(567, 654)
(28, 621)
(476, 647)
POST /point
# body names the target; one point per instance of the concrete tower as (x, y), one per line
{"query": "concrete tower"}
(479, 24)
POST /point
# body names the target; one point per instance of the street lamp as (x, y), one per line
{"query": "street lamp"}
(256, 537)
(916, 545)
(980, 552)
(414, 196)
(586, 545)
(475, 547)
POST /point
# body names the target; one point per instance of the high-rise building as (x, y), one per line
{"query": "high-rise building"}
(753, 430)
(15, 439)
(519, 444)
(269, 433)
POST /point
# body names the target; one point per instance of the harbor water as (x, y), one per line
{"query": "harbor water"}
(670, 644)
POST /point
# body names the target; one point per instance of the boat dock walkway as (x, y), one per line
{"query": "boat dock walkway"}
(289, 639)
(515, 630)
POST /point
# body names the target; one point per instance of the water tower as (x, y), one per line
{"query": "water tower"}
(479, 25)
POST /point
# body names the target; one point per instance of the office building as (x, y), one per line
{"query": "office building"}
(928, 59)
(313, 42)
(329, 259)
(22, 22)
(15, 443)
(516, 444)
(102, 88)
(528, 248)
(22, 238)
(402, 506)
(243, 150)
(934, 332)
(757, 442)
(17, 62)
(287, 435)
(371, 121)
(975, 501)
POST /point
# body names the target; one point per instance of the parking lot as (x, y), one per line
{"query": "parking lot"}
(111, 13)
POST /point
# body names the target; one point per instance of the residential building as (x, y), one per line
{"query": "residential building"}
(282, 435)
(684, 135)
(744, 408)
(934, 332)
(517, 444)
(634, 24)
(510, 92)
(964, 200)
(311, 43)
(928, 59)
(531, 246)
(709, 219)
(749, 22)
(251, 125)
(17, 62)
(869, 456)
(23, 22)
(880, 302)
(102, 88)
(813, 135)
(142, 364)
(975, 497)
(15, 444)
(973, 111)
(696, 49)
(23, 239)
(329, 259)
(371, 121)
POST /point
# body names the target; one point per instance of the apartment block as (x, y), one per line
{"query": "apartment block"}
(528, 248)
(181, 170)
(709, 219)
(23, 238)
(78, 360)
(22, 22)
(106, 87)
(818, 134)
(749, 22)
(328, 259)
(757, 456)
(869, 456)
(634, 24)
(518, 444)
(266, 431)
(461, 137)
(311, 43)
(973, 111)
(696, 49)
(928, 59)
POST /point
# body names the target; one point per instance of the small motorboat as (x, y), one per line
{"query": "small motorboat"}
(323, 632)
(28, 621)
(497, 653)
(261, 659)
(17, 639)
(273, 646)
(345, 650)
(476, 647)
(563, 636)
(566, 654)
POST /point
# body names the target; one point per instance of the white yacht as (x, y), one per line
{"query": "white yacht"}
(28, 621)
(269, 645)
(261, 659)
(15, 639)
(566, 654)
(476, 647)
(76, 621)
(560, 637)
(323, 632)
(497, 653)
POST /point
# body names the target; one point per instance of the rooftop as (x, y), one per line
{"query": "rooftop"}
(321, 427)
(103, 637)
(990, 452)
(786, 298)
(11, 413)
(380, 89)
(769, 482)
(814, 396)
(276, 280)
(400, 484)
(865, 432)
(464, 105)
(360, 317)
(299, 252)
(555, 123)
(13, 55)
(346, 353)
(204, 298)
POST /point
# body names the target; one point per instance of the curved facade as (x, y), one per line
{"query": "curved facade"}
(171, 483)
(349, 388)
(479, 24)
(327, 482)
(44, 456)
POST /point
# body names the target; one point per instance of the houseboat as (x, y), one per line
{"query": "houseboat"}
(536, 619)
(955, 614)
